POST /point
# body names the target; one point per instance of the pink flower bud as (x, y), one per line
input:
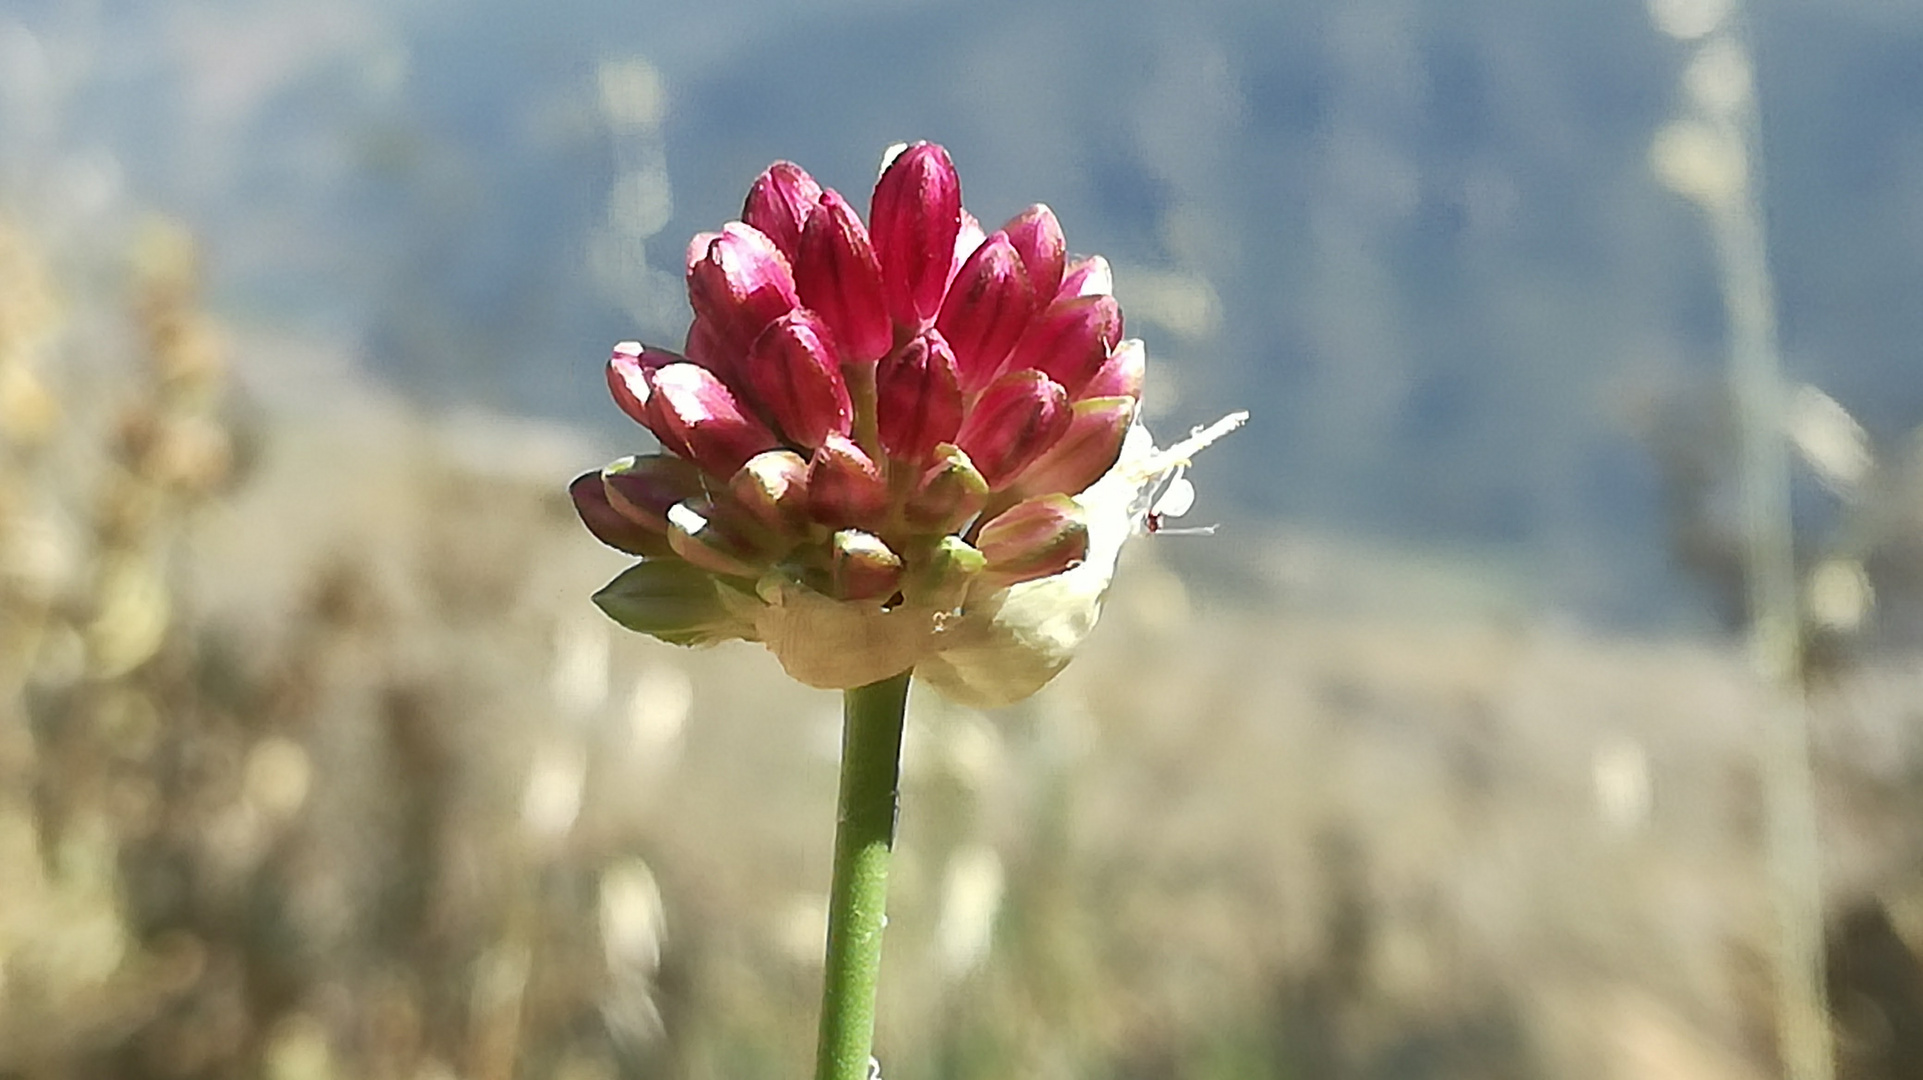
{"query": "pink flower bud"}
(1121, 374)
(845, 486)
(707, 535)
(739, 285)
(1035, 538)
(628, 371)
(1085, 451)
(642, 488)
(918, 398)
(609, 525)
(779, 203)
(861, 567)
(794, 374)
(1087, 277)
(1037, 237)
(704, 347)
(772, 488)
(1070, 341)
(915, 217)
(838, 276)
(949, 495)
(700, 415)
(939, 577)
(988, 307)
(1019, 416)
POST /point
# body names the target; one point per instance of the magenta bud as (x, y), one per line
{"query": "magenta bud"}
(609, 525)
(915, 218)
(1018, 417)
(643, 487)
(1087, 277)
(1086, 451)
(838, 276)
(794, 373)
(949, 494)
(704, 347)
(1121, 374)
(939, 577)
(738, 286)
(861, 567)
(1037, 237)
(701, 415)
(845, 486)
(1035, 538)
(1070, 341)
(710, 537)
(918, 398)
(628, 370)
(779, 203)
(988, 307)
(772, 488)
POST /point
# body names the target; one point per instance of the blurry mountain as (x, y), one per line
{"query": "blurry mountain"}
(1418, 239)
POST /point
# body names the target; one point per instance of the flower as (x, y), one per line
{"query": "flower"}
(877, 437)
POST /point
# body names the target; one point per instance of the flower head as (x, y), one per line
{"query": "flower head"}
(874, 434)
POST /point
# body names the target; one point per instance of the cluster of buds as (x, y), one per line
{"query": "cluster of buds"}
(872, 432)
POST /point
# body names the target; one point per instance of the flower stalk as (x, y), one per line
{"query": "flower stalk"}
(867, 809)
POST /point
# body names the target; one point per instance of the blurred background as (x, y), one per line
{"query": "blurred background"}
(1439, 760)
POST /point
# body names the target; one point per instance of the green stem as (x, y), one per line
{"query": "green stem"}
(858, 899)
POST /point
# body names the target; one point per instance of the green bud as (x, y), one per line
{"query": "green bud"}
(670, 600)
(952, 491)
(939, 576)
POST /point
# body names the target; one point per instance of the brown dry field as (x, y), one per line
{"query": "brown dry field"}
(389, 798)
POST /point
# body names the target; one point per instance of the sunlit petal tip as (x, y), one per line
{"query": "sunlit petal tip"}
(918, 398)
(862, 567)
(987, 309)
(698, 246)
(949, 495)
(838, 276)
(643, 487)
(1121, 374)
(779, 203)
(608, 524)
(1037, 236)
(845, 486)
(967, 239)
(1084, 453)
(699, 412)
(794, 374)
(1070, 341)
(627, 373)
(1035, 538)
(700, 533)
(1017, 417)
(772, 488)
(915, 218)
(1091, 276)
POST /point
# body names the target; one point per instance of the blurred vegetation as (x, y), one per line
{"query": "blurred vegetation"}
(318, 765)
(315, 762)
